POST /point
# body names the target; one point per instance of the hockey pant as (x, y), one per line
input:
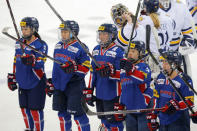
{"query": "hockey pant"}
(34, 119)
(82, 121)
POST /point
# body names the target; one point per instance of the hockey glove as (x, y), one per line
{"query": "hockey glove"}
(89, 97)
(49, 87)
(127, 65)
(69, 66)
(194, 117)
(153, 125)
(12, 81)
(106, 70)
(119, 107)
(171, 107)
(28, 59)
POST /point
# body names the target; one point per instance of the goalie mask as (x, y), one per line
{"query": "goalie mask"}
(116, 14)
(106, 34)
(165, 3)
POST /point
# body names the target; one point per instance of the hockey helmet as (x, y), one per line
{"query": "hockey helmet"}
(109, 28)
(165, 3)
(172, 57)
(31, 22)
(151, 6)
(138, 45)
(71, 24)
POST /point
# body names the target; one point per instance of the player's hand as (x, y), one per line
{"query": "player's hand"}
(69, 66)
(119, 107)
(11, 81)
(106, 70)
(171, 107)
(89, 97)
(153, 125)
(28, 59)
(49, 87)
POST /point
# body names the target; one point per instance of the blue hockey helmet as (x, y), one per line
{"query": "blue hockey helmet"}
(71, 24)
(138, 45)
(31, 22)
(151, 5)
(173, 57)
(109, 28)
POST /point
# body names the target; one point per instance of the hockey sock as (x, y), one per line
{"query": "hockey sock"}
(82, 122)
(38, 118)
(27, 118)
(65, 121)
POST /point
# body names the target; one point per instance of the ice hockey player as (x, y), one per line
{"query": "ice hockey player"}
(163, 26)
(106, 78)
(68, 78)
(183, 37)
(29, 76)
(124, 21)
(136, 93)
(192, 5)
(175, 115)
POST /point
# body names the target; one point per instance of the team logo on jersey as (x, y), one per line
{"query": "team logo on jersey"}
(95, 52)
(115, 48)
(29, 49)
(17, 46)
(58, 46)
(111, 53)
(177, 84)
(160, 81)
(73, 49)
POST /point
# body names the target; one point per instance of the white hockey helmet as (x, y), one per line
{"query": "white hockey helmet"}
(165, 3)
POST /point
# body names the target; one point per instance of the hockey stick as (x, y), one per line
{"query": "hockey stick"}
(91, 113)
(134, 24)
(14, 23)
(82, 44)
(5, 32)
(148, 29)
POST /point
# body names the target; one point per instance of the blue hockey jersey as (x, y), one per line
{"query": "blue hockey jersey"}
(107, 88)
(136, 91)
(27, 76)
(64, 52)
(164, 92)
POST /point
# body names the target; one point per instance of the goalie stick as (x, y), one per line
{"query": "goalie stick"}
(91, 113)
(82, 44)
(5, 32)
(148, 30)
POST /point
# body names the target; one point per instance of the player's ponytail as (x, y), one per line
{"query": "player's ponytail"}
(155, 19)
(37, 35)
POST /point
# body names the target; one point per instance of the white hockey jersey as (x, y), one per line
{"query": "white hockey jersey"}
(181, 15)
(192, 5)
(124, 35)
(165, 31)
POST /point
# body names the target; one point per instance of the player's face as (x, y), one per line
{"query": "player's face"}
(26, 31)
(166, 66)
(133, 53)
(104, 37)
(65, 34)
